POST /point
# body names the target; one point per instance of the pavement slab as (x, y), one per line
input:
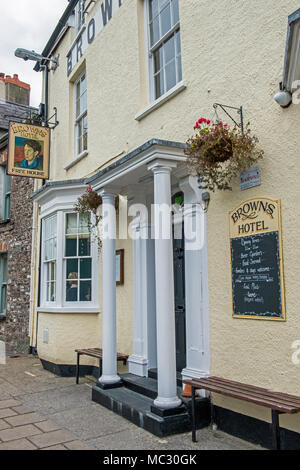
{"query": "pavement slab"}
(42, 411)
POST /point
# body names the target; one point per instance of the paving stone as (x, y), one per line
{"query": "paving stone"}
(47, 426)
(28, 418)
(9, 403)
(58, 447)
(22, 409)
(51, 438)
(20, 444)
(3, 425)
(19, 432)
(7, 412)
(76, 445)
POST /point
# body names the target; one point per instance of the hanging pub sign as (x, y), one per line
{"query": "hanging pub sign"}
(28, 150)
(256, 260)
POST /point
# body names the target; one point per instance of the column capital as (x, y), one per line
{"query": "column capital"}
(161, 165)
(108, 192)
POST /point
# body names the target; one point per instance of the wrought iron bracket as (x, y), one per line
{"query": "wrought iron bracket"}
(239, 111)
(50, 124)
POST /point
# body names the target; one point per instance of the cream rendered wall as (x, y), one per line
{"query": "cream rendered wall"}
(232, 52)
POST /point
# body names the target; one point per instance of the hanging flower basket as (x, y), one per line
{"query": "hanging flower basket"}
(218, 153)
(89, 201)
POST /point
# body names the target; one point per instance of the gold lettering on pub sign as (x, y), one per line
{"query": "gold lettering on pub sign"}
(28, 153)
(254, 216)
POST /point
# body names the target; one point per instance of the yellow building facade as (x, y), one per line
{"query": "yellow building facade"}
(133, 78)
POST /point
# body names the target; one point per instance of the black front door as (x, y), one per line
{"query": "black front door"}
(179, 285)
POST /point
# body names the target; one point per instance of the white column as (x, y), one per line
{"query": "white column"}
(196, 282)
(164, 271)
(109, 333)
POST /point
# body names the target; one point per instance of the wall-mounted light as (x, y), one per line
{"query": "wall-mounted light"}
(283, 98)
(205, 200)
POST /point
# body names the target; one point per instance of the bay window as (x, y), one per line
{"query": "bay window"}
(70, 263)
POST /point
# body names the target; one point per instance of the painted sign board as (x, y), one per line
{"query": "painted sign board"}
(250, 178)
(89, 32)
(3, 246)
(28, 150)
(256, 260)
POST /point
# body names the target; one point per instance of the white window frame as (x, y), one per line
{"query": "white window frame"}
(79, 15)
(60, 304)
(150, 54)
(80, 118)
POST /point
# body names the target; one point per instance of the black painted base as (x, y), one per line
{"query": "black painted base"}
(168, 412)
(137, 409)
(69, 370)
(253, 430)
(109, 386)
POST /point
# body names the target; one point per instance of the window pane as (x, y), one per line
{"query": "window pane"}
(72, 269)
(179, 69)
(71, 245)
(165, 19)
(158, 59)
(154, 31)
(51, 274)
(84, 220)
(84, 137)
(71, 223)
(175, 11)
(51, 292)
(85, 268)
(3, 300)
(159, 85)
(72, 291)
(178, 43)
(85, 291)
(169, 48)
(170, 75)
(84, 245)
(153, 9)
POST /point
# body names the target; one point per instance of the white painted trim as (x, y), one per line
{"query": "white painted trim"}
(180, 86)
(76, 160)
(68, 310)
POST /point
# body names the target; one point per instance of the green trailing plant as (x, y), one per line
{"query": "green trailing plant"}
(217, 153)
(90, 202)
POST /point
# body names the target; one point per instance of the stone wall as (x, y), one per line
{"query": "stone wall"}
(16, 236)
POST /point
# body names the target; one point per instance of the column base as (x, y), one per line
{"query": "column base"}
(109, 381)
(167, 403)
(138, 365)
(163, 413)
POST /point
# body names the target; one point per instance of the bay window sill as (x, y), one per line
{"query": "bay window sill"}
(68, 309)
(76, 160)
(161, 100)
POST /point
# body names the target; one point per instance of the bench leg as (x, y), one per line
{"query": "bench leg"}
(77, 368)
(275, 430)
(193, 415)
(100, 368)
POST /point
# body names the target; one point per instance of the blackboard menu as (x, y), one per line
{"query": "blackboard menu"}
(256, 288)
(256, 260)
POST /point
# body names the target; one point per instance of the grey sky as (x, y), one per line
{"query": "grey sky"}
(27, 24)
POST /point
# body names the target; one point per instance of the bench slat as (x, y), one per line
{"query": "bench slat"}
(283, 399)
(262, 401)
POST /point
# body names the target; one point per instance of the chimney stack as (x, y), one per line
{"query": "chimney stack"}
(13, 90)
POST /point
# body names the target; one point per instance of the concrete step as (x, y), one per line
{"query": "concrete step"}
(146, 386)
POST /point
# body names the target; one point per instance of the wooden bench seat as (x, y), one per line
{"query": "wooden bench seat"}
(96, 352)
(278, 402)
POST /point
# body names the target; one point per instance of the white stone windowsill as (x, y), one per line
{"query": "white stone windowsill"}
(161, 100)
(68, 309)
(76, 160)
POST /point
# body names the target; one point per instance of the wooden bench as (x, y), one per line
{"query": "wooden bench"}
(279, 403)
(96, 352)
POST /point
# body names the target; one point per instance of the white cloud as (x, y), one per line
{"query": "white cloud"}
(27, 24)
